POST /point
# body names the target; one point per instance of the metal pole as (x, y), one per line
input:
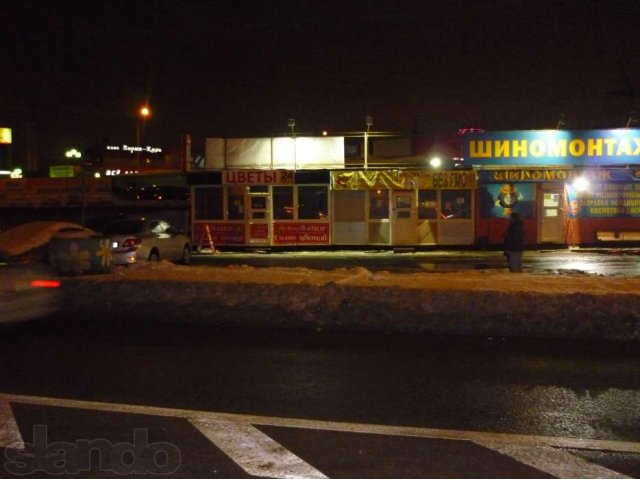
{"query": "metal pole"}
(83, 212)
(366, 149)
(138, 142)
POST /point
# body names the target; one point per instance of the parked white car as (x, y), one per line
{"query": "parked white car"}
(148, 239)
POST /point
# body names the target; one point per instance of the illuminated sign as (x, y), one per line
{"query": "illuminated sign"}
(132, 149)
(5, 135)
(257, 177)
(545, 175)
(604, 200)
(403, 179)
(61, 171)
(553, 147)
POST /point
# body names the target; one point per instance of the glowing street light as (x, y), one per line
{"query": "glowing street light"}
(144, 112)
(581, 184)
(72, 153)
(435, 162)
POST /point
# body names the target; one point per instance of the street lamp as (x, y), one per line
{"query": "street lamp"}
(73, 153)
(435, 162)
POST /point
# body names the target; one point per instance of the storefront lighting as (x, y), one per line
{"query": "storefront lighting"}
(435, 162)
(581, 184)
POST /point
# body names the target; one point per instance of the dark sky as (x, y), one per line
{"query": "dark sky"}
(73, 73)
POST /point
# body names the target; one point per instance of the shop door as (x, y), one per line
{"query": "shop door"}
(551, 218)
(259, 218)
(404, 223)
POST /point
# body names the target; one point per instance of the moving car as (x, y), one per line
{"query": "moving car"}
(28, 291)
(138, 239)
(30, 241)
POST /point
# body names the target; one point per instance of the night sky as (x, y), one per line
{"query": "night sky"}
(73, 73)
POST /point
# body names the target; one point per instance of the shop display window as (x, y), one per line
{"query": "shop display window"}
(283, 203)
(378, 204)
(258, 203)
(349, 205)
(427, 204)
(455, 204)
(235, 204)
(208, 203)
(312, 202)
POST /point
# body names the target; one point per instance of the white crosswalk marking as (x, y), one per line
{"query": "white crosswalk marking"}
(553, 461)
(9, 434)
(232, 432)
(258, 454)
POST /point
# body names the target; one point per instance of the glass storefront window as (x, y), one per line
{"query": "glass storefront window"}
(312, 202)
(258, 203)
(455, 204)
(427, 204)
(378, 204)
(235, 204)
(283, 203)
(208, 203)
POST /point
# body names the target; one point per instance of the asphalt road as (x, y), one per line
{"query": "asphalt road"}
(238, 403)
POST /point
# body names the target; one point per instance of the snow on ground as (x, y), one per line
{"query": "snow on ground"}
(479, 302)
(472, 280)
(490, 302)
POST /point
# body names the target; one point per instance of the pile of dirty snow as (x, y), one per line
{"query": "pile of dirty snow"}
(479, 302)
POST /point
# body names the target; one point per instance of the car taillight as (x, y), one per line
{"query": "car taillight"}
(131, 242)
(45, 283)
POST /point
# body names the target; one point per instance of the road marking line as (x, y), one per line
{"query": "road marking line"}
(258, 454)
(554, 462)
(200, 415)
(10, 435)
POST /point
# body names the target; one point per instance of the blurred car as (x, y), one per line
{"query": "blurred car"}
(28, 291)
(146, 239)
(29, 241)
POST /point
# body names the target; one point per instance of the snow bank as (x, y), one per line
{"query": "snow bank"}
(491, 303)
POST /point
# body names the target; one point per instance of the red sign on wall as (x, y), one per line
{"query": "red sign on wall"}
(301, 233)
(221, 233)
(259, 231)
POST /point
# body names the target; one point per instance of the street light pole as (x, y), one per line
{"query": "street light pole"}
(143, 114)
(292, 125)
(369, 122)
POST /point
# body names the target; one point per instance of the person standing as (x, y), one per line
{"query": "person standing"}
(514, 243)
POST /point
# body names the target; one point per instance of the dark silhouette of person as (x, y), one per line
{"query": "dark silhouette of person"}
(514, 243)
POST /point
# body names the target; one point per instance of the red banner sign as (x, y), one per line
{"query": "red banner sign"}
(301, 233)
(221, 233)
(259, 231)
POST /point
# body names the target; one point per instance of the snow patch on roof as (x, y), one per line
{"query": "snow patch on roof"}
(29, 236)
